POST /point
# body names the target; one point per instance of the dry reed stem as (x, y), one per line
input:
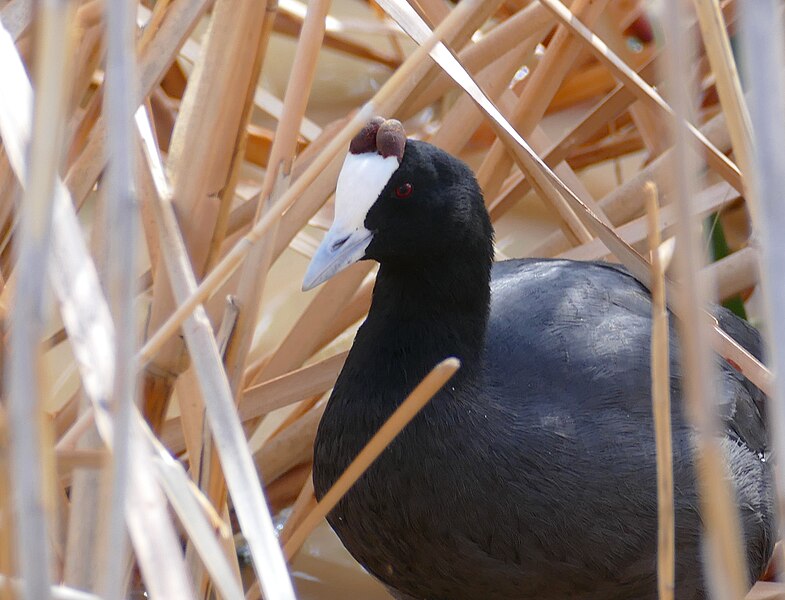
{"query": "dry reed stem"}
(304, 504)
(83, 555)
(597, 117)
(23, 390)
(265, 397)
(661, 407)
(494, 80)
(87, 58)
(419, 397)
(705, 202)
(78, 428)
(146, 196)
(290, 22)
(238, 154)
(156, 544)
(215, 106)
(86, 317)
(627, 200)
(277, 177)
(204, 464)
(540, 88)
(55, 592)
(725, 564)
(122, 221)
(527, 24)
(249, 502)
(736, 273)
(265, 100)
(8, 542)
(196, 514)
(257, 400)
(291, 446)
(723, 66)
(197, 442)
(307, 334)
(214, 79)
(470, 15)
(767, 88)
(153, 60)
(191, 428)
(564, 171)
(434, 11)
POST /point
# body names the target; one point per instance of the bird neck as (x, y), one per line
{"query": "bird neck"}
(425, 312)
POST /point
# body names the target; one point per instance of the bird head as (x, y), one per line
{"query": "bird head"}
(399, 200)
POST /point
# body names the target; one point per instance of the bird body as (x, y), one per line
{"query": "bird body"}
(531, 474)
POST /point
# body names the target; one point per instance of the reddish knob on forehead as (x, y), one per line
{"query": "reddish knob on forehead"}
(391, 139)
(365, 141)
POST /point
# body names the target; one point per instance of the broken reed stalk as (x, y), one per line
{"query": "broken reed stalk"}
(23, 389)
(762, 51)
(661, 407)
(419, 397)
(726, 565)
(122, 221)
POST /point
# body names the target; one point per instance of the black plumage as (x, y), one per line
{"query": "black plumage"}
(532, 473)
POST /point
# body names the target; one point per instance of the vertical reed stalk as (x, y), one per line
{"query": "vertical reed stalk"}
(122, 219)
(661, 407)
(23, 376)
(726, 572)
(763, 48)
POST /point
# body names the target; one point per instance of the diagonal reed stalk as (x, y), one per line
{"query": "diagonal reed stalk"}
(412, 405)
(241, 479)
(720, 55)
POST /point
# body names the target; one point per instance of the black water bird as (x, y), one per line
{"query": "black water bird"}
(532, 473)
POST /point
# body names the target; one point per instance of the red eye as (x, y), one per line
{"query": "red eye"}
(404, 191)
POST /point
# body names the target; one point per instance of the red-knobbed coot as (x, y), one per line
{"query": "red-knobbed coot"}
(532, 474)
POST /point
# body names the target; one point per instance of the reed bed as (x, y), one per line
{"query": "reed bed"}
(168, 165)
